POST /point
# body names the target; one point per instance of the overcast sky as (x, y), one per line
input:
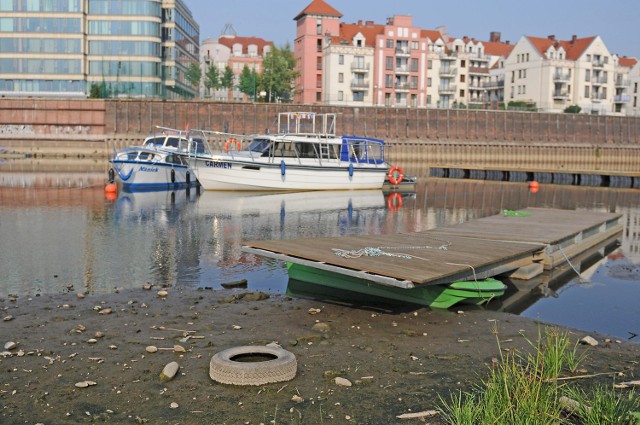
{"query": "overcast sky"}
(617, 22)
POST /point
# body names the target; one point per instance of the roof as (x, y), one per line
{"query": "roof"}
(627, 62)
(432, 35)
(574, 47)
(319, 8)
(230, 41)
(497, 48)
(348, 31)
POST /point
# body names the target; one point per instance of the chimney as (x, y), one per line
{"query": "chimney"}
(574, 38)
(494, 36)
(359, 22)
(551, 37)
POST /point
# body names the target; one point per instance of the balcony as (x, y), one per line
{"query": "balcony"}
(598, 80)
(478, 70)
(560, 94)
(360, 67)
(598, 63)
(598, 97)
(451, 56)
(359, 85)
(402, 70)
(561, 76)
(479, 57)
(448, 71)
(403, 51)
(402, 87)
(622, 82)
(450, 89)
(622, 98)
(493, 84)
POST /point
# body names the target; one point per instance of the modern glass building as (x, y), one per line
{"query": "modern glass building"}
(78, 48)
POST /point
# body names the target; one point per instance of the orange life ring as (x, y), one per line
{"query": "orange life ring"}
(229, 143)
(395, 175)
(394, 201)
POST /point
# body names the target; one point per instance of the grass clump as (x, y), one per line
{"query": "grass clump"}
(524, 388)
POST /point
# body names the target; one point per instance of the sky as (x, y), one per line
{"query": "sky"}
(617, 22)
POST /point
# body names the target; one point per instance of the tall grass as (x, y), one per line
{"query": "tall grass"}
(523, 389)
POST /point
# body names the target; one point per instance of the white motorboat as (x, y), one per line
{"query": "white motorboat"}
(145, 168)
(305, 154)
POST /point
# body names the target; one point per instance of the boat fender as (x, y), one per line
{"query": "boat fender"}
(112, 175)
(395, 175)
(229, 144)
(283, 168)
(188, 178)
(173, 175)
(351, 169)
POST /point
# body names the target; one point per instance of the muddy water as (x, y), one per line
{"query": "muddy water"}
(57, 234)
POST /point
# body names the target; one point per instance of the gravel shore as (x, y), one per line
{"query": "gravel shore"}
(84, 360)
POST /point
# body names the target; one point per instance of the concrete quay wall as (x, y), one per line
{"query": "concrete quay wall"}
(437, 137)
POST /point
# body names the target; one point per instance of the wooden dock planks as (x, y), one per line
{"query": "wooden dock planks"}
(476, 249)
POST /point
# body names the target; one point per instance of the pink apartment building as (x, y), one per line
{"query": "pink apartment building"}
(366, 64)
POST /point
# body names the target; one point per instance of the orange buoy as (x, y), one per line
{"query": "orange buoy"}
(111, 196)
(110, 188)
(395, 175)
(534, 186)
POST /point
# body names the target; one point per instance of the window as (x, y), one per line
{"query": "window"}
(341, 77)
(414, 83)
(389, 63)
(428, 99)
(588, 58)
(524, 73)
(429, 64)
(428, 82)
(318, 97)
(461, 93)
(340, 95)
(586, 91)
(463, 64)
(587, 75)
(389, 43)
(340, 59)
(604, 93)
(462, 78)
(414, 65)
(527, 57)
(388, 81)
(319, 45)
(319, 27)
(519, 73)
(358, 96)
(524, 89)
(414, 45)
(635, 88)
(512, 92)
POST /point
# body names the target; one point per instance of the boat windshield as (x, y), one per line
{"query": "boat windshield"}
(259, 145)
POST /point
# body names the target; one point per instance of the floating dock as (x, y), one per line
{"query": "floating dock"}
(518, 243)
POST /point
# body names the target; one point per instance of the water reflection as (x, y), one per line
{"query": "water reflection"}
(52, 237)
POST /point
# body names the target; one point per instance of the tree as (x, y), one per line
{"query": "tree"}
(227, 80)
(194, 74)
(278, 74)
(573, 109)
(248, 82)
(212, 78)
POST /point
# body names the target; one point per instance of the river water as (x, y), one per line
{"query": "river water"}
(57, 229)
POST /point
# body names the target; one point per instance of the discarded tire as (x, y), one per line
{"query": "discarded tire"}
(253, 365)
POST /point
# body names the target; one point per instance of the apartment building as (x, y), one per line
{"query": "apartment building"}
(554, 74)
(235, 52)
(633, 106)
(66, 48)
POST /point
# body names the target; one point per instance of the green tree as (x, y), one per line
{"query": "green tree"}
(226, 80)
(194, 74)
(279, 73)
(573, 109)
(212, 78)
(248, 82)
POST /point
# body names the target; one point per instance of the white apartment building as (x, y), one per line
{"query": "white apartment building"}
(554, 74)
(348, 64)
(633, 106)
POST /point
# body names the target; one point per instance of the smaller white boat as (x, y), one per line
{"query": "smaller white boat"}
(146, 168)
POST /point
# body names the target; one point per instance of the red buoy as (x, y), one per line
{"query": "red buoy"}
(110, 188)
(534, 186)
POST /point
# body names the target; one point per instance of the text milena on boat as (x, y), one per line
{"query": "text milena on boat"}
(305, 154)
